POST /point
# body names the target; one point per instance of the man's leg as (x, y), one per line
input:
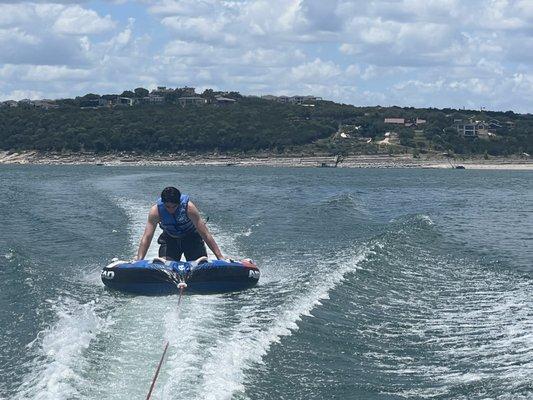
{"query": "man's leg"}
(170, 248)
(193, 247)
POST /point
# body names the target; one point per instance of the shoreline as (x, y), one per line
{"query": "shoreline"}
(354, 161)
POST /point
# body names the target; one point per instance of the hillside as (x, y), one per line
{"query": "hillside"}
(252, 124)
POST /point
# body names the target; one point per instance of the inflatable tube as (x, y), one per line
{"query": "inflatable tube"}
(159, 277)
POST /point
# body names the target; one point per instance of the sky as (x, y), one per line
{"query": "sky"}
(411, 53)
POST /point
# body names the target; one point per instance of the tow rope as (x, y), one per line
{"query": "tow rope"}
(181, 286)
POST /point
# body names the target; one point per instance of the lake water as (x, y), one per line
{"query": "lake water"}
(376, 284)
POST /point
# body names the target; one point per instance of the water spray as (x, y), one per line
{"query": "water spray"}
(184, 271)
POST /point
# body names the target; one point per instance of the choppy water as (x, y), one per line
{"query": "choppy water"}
(376, 284)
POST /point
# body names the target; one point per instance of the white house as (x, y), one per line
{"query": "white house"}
(394, 121)
(191, 100)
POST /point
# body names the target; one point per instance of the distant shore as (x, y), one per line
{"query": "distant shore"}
(355, 161)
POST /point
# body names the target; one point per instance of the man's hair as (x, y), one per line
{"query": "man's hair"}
(171, 195)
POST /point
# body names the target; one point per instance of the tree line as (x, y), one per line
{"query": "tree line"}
(251, 124)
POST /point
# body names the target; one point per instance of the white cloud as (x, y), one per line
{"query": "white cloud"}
(18, 37)
(75, 20)
(525, 9)
(12, 15)
(380, 32)
(355, 71)
(46, 73)
(43, 73)
(201, 29)
(182, 7)
(423, 52)
(263, 57)
(48, 33)
(316, 71)
(22, 94)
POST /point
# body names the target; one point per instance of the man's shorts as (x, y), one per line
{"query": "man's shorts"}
(192, 245)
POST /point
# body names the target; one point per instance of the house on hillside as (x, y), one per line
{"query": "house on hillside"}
(45, 104)
(224, 101)
(192, 101)
(125, 101)
(400, 121)
(405, 122)
(95, 103)
(473, 129)
(304, 99)
(466, 129)
(153, 98)
(300, 100)
(495, 124)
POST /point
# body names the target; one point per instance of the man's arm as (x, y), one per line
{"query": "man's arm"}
(146, 240)
(201, 227)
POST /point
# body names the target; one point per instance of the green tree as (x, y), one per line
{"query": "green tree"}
(91, 96)
(141, 92)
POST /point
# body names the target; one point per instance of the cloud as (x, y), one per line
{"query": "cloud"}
(76, 20)
(321, 15)
(190, 8)
(21, 94)
(21, 47)
(48, 33)
(18, 37)
(423, 52)
(45, 73)
(316, 71)
(204, 29)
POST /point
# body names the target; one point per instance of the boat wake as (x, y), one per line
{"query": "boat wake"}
(60, 361)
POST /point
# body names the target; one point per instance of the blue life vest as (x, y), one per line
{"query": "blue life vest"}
(177, 224)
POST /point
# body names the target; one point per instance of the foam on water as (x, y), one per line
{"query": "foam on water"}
(58, 368)
(447, 323)
(64, 348)
(223, 373)
(189, 331)
(248, 232)
(138, 215)
(137, 335)
(423, 319)
(143, 324)
(490, 327)
(9, 255)
(214, 339)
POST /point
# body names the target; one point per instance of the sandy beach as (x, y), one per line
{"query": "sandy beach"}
(354, 161)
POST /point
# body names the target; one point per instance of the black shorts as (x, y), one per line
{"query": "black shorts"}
(192, 245)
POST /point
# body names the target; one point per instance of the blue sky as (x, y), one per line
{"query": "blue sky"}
(438, 53)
